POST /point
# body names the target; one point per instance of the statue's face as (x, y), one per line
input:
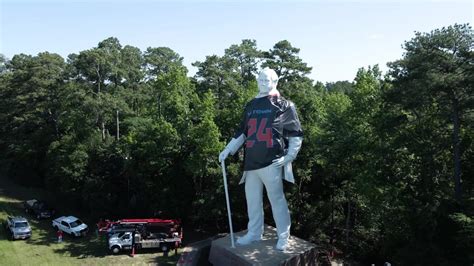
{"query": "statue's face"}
(267, 81)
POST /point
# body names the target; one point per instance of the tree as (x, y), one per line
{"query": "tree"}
(30, 103)
(162, 60)
(113, 75)
(247, 56)
(201, 163)
(283, 58)
(434, 79)
(425, 123)
(221, 77)
(339, 86)
(3, 63)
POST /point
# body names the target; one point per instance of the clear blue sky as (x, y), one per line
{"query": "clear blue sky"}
(335, 37)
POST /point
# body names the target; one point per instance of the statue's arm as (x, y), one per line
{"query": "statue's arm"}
(294, 146)
(232, 147)
(293, 131)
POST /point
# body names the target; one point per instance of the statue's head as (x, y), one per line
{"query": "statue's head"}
(267, 81)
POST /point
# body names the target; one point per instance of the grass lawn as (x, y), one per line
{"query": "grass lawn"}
(43, 249)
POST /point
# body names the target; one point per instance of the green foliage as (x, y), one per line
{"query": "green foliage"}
(464, 235)
(339, 86)
(162, 60)
(428, 106)
(247, 57)
(30, 108)
(283, 58)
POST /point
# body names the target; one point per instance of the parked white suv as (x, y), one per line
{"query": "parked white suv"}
(70, 225)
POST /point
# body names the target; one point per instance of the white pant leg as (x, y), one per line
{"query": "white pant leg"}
(272, 178)
(254, 197)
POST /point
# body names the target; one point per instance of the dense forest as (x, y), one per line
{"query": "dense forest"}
(385, 172)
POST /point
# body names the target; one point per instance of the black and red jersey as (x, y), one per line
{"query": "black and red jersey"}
(267, 123)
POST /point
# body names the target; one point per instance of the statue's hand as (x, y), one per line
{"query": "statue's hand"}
(282, 161)
(293, 148)
(232, 147)
(223, 155)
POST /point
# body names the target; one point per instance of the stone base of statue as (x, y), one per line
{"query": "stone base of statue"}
(299, 252)
(196, 253)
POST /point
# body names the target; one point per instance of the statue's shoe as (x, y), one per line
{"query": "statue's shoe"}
(282, 244)
(247, 239)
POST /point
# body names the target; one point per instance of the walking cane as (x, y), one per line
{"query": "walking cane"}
(228, 203)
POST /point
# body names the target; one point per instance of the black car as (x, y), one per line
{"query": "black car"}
(38, 208)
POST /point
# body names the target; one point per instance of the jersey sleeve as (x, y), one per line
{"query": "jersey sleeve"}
(291, 122)
(243, 125)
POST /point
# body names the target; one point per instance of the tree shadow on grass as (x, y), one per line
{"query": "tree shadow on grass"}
(93, 246)
(96, 247)
(84, 247)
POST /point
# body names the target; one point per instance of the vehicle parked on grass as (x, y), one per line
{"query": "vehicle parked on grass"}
(18, 227)
(152, 225)
(163, 234)
(38, 208)
(70, 225)
(129, 239)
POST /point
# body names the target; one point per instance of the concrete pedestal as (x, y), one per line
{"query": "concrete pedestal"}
(196, 254)
(299, 252)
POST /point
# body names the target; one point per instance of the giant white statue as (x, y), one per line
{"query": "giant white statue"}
(272, 134)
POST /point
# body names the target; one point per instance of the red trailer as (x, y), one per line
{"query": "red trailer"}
(170, 227)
